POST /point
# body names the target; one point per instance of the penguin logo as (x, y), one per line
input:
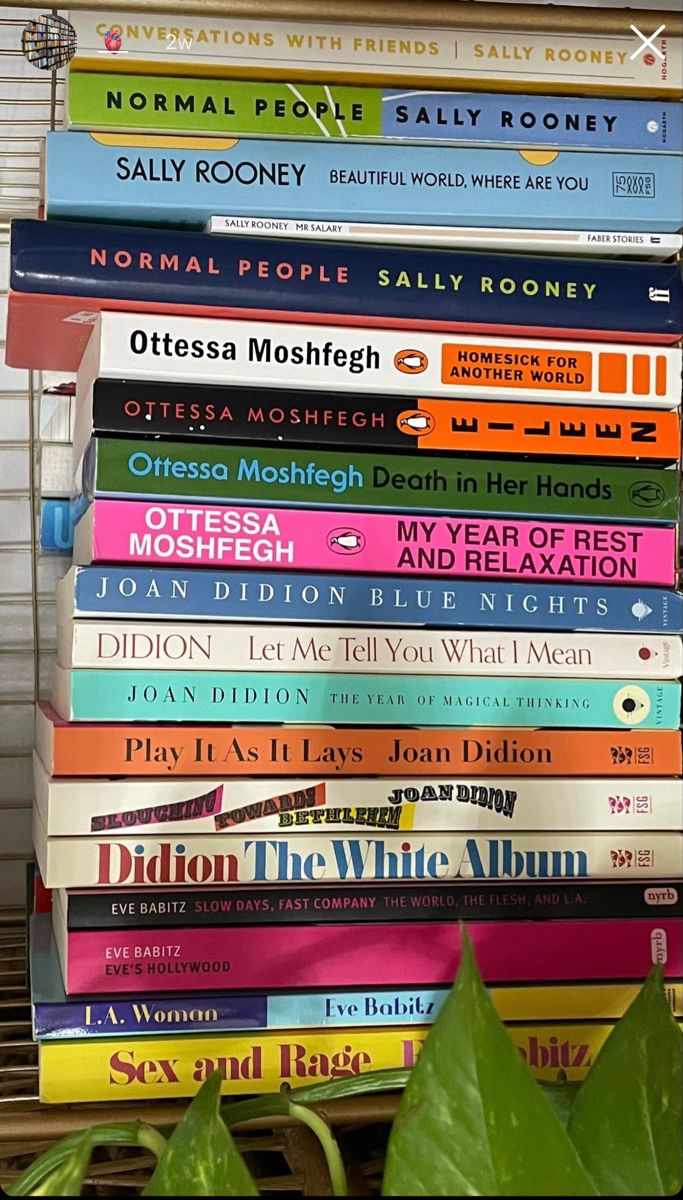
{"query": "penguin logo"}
(415, 423)
(631, 705)
(646, 495)
(411, 362)
(345, 540)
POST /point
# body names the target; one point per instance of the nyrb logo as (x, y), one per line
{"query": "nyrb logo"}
(48, 42)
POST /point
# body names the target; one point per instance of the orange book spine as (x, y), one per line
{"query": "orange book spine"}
(549, 429)
(180, 750)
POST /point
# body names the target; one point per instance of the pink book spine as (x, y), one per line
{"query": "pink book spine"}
(315, 539)
(190, 960)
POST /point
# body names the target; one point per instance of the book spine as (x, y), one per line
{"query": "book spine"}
(145, 408)
(164, 181)
(126, 645)
(116, 1017)
(56, 528)
(300, 806)
(141, 592)
(206, 750)
(346, 955)
(121, 531)
(263, 354)
(374, 52)
(298, 904)
(333, 479)
(162, 1067)
(244, 108)
(226, 1014)
(94, 695)
(138, 861)
(347, 284)
(585, 243)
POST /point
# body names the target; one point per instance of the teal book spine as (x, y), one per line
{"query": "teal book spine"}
(94, 695)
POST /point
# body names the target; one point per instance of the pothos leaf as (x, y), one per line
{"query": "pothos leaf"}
(626, 1119)
(201, 1158)
(67, 1178)
(472, 1120)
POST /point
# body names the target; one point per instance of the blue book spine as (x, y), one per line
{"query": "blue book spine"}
(77, 1019)
(316, 1009)
(228, 696)
(170, 184)
(56, 527)
(476, 291)
(362, 600)
(227, 1014)
(550, 121)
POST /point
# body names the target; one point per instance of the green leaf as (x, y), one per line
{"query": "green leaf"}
(33, 1178)
(472, 1120)
(67, 1178)
(626, 1119)
(560, 1097)
(201, 1158)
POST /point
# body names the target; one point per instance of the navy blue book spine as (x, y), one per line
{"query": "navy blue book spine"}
(78, 1018)
(486, 292)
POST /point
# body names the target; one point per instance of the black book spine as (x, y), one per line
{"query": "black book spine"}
(298, 904)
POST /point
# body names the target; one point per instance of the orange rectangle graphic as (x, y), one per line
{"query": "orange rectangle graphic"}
(530, 370)
(487, 427)
(660, 375)
(612, 373)
(641, 374)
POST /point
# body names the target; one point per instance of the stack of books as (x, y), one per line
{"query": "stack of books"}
(372, 626)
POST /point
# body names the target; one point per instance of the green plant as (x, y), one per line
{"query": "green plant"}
(472, 1121)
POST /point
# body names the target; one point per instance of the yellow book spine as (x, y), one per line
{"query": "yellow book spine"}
(575, 1001)
(156, 1068)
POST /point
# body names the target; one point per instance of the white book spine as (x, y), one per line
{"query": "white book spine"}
(112, 807)
(135, 861)
(522, 241)
(348, 650)
(272, 354)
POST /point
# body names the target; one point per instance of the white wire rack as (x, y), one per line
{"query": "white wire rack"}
(30, 104)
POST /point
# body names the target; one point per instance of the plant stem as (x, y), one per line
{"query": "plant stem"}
(151, 1139)
(275, 1105)
(335, 1164)
(281, 1106)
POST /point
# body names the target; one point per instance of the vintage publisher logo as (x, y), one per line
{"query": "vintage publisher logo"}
(632, 704)
(640, 610)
